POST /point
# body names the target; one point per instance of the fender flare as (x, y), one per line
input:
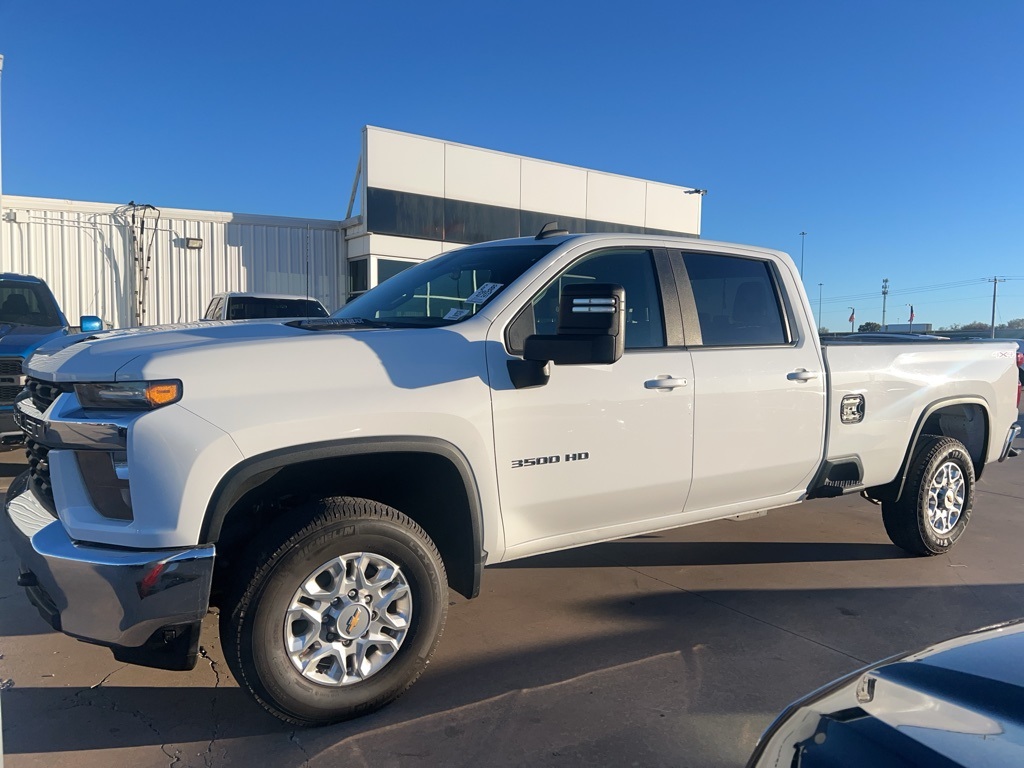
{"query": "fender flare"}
(255, 470)
(898, 482)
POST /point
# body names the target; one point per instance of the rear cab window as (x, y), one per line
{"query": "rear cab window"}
(737, 301)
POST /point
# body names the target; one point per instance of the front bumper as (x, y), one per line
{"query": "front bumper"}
(146, 605)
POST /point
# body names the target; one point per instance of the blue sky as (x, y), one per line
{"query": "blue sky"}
(891, 132)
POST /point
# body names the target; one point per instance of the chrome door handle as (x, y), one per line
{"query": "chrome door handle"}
(802, 375)
(665, 383)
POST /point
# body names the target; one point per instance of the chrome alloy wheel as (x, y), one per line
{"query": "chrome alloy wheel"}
(946, 498)
(348, 619)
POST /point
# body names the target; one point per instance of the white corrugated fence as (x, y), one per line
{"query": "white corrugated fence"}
(129, 264)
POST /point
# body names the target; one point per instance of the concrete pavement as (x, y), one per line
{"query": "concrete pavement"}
(673, 649)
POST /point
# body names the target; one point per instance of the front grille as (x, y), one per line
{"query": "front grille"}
(45, 392)
(8, 392)
(10, 366)
(39, 473)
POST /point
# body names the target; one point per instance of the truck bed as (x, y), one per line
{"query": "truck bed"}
(902, 383)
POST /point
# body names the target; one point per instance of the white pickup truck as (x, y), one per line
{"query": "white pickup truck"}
(324, 482)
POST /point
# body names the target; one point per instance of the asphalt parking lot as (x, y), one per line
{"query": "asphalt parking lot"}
(674, 649)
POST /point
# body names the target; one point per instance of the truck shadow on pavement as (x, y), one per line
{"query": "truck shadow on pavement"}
(737, 656)
(662, 650)
(641, 553)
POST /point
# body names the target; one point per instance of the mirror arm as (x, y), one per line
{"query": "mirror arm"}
(526, 374)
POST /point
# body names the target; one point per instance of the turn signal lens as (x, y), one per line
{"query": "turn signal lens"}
(128, 395)
(163, 393)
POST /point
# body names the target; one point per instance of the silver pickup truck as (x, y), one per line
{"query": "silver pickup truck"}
(325, 481)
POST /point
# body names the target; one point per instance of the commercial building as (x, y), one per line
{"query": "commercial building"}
(412, 198)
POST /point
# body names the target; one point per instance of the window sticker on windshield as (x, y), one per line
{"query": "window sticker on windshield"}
(484, 292)
(456, 314)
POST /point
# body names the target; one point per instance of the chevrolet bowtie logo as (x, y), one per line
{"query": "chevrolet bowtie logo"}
(352, 623)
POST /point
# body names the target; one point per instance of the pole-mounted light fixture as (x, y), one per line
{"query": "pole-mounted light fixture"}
(193, 243)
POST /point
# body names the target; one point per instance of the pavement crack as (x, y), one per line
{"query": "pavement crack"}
(109, 675)
(293, 737)
(175, 758)
(208, 755)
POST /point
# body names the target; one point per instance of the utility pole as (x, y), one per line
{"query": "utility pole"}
(995, 284)
(803, 236)
(819, 305)
(885, 293)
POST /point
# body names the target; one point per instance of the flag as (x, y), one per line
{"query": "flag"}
(911, 313)
(852, 317)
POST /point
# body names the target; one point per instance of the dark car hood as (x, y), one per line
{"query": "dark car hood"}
(957, 703)
(20, 340)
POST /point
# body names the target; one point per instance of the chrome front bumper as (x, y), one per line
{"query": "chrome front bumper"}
(123, 598)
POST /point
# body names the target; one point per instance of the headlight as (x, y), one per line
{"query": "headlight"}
(128, 395)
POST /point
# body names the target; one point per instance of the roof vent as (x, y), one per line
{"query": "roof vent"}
(551, 230)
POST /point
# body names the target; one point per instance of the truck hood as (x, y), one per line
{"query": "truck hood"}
(19, 340)
(101, 356)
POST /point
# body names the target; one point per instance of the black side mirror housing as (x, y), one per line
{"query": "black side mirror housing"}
(591, 327)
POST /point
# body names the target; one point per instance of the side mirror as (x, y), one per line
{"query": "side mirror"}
(90, 323)
(591, 327)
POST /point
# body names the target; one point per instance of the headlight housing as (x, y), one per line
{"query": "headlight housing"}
(129, 395)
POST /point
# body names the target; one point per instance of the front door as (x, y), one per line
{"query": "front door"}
(600, 451)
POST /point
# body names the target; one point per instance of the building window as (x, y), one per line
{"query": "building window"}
(388, 268)
(358, 277)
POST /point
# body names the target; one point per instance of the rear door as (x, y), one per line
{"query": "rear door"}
(759, 384)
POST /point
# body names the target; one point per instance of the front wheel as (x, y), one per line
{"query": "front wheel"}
(341, 618)
(933, 511)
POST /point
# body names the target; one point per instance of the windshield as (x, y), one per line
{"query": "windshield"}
(27, 304)
(447, 288)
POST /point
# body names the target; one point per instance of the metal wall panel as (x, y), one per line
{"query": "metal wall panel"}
(90, 255)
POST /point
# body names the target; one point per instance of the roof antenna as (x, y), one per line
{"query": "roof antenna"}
(550, 230)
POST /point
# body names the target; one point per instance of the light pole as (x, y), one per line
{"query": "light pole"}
(853, 318)
(885, 293)
(819, 305)
(803, 236)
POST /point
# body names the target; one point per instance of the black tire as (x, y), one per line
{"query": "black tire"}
(252, 622)
(907, 519)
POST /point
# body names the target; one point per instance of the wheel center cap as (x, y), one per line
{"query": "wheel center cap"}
(353, 621)
(948, 499)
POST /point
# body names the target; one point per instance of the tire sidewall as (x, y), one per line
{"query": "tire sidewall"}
(933, 540)
(263, 627)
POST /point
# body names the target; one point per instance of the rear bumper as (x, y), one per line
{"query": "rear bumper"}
(1008, 450)
(146, 605)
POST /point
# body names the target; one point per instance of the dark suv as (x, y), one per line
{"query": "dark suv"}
(29, 315)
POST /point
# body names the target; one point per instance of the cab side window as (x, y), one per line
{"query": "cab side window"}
(213, 311)
(633, 269)
(737, 301)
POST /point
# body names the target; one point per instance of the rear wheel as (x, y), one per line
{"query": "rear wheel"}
(341, 618)
(935, 507)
